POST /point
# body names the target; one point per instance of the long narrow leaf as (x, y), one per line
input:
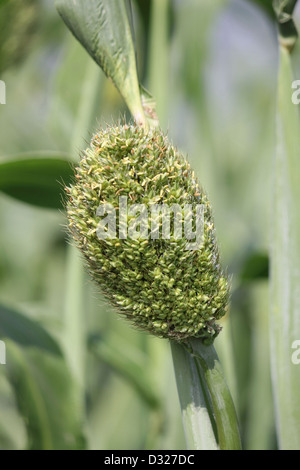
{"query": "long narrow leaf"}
(102, 27)
(25, 332)
(36, 179)
(285, 263)
(128, 366)
(47, 398)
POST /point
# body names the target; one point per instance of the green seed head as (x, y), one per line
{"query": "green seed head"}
(153, 272)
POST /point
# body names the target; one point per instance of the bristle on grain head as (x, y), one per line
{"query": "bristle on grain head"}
(145, 228)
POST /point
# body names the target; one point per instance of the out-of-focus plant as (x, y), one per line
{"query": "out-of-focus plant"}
(18, 24)
(285, 250)
(72, 372)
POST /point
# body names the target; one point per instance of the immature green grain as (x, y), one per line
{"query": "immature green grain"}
(158, 284)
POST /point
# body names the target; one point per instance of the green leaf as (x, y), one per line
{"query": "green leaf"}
(265, 4)
(102, 27)
(18, 24)
(47, 398)
(159, 53)
(25, 332)
(285, 262)
(255, 267)
(12, 428)
(37, 179)
(128, 365)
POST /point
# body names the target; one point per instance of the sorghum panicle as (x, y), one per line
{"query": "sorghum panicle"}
(158, 284)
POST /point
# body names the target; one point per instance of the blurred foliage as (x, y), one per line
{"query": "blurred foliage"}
(36, 179)
(18, 24)
(255, 266)
(220, 76)
(47, 398)
(25, 332)
(266, 5)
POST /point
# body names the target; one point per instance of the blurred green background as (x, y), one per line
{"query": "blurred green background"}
(78, 376)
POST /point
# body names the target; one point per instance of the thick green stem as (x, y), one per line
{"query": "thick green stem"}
(285, 262)
(196, 414)
(223, 407)
(208, 411)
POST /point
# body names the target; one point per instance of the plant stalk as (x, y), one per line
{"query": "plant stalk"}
(209, 416)
(285, 262)
(74, 297)
(159, 51)
(199, 426)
